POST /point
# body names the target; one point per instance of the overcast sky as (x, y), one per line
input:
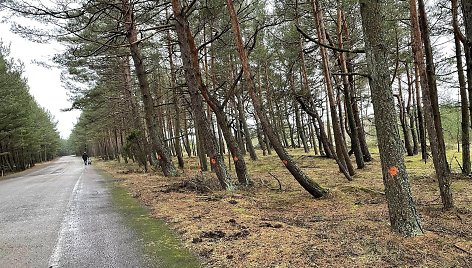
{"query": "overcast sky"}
(44, 83)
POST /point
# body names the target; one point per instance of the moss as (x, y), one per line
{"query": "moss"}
(159, 241)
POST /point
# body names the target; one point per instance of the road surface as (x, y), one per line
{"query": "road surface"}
(62, 216)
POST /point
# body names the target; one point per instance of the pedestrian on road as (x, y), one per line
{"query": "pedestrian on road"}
(85, 157)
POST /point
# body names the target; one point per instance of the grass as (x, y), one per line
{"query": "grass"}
(263, 226)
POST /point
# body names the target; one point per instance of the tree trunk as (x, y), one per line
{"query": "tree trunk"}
(433, 120)
(247, 134)
(175, 99)
(355, 144)
(190, 62)
(420, 114)
(312, 187)
(140, 142)
(464, 110)
(341, 150)
(403, 121)
(157, 144)
(200, 139)
(466, 165)
(467, 14)
(298, 123)
(410, 113)
(404, 219)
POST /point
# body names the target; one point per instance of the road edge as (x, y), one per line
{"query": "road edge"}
(161, 245)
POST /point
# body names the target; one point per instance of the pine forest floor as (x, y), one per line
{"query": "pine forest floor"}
(266, 226)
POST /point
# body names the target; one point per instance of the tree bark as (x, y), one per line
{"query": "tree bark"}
(403, 121)
(355, 143)
(433, 120)
(245, 128)
(420, 114)
(175, 99)
(410, 113)
(467, 14)
(298, 123)
(312, 187)
(140, 142)
(465, 116)
(403, 216)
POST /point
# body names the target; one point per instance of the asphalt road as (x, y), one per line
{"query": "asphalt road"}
(62, 216)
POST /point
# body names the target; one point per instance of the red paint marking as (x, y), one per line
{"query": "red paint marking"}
(393, 171)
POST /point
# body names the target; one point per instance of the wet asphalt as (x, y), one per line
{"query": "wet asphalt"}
(62, 216)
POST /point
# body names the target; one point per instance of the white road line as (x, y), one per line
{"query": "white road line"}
(65, 226)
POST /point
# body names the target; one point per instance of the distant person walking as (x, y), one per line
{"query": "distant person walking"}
(85, 157)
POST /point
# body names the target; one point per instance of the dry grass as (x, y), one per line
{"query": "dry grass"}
(267, 227)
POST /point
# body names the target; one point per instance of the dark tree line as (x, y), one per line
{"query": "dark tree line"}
(28, 132)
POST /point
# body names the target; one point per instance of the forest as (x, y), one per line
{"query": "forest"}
(28, 132)
(321, 102)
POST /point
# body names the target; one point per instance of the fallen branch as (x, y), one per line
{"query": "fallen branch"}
(462, 249)
(280, 184)
(364, 189)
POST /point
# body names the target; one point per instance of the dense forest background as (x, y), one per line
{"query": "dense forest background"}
(28, 132)
(158, 82)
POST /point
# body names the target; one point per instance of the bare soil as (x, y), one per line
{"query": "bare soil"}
(276, 223)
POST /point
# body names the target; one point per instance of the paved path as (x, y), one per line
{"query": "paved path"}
(62, 216)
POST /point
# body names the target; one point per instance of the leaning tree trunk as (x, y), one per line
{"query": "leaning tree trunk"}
(403, 121)
(312, 187)
(467, 13)
(403, 216)
(464, 108)
(355, 144)
(433, 122)
(176, 106)
(157, 144)
(341, 150)
(194, 81)
(140, 140)
(465, 123)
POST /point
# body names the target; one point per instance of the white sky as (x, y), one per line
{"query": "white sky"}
(44, 83)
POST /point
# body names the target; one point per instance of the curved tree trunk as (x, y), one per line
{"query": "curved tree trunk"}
(312, 187)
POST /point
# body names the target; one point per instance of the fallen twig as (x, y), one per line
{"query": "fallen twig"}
(280, 184)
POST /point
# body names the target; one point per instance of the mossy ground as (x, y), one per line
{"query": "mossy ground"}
(160, 243)
(264, 226)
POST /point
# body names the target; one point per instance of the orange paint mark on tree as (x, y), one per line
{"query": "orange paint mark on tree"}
(393, 171)
(235, 158)
(213, 161)
(285, 162)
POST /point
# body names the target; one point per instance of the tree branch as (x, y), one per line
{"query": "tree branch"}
(328, 46)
